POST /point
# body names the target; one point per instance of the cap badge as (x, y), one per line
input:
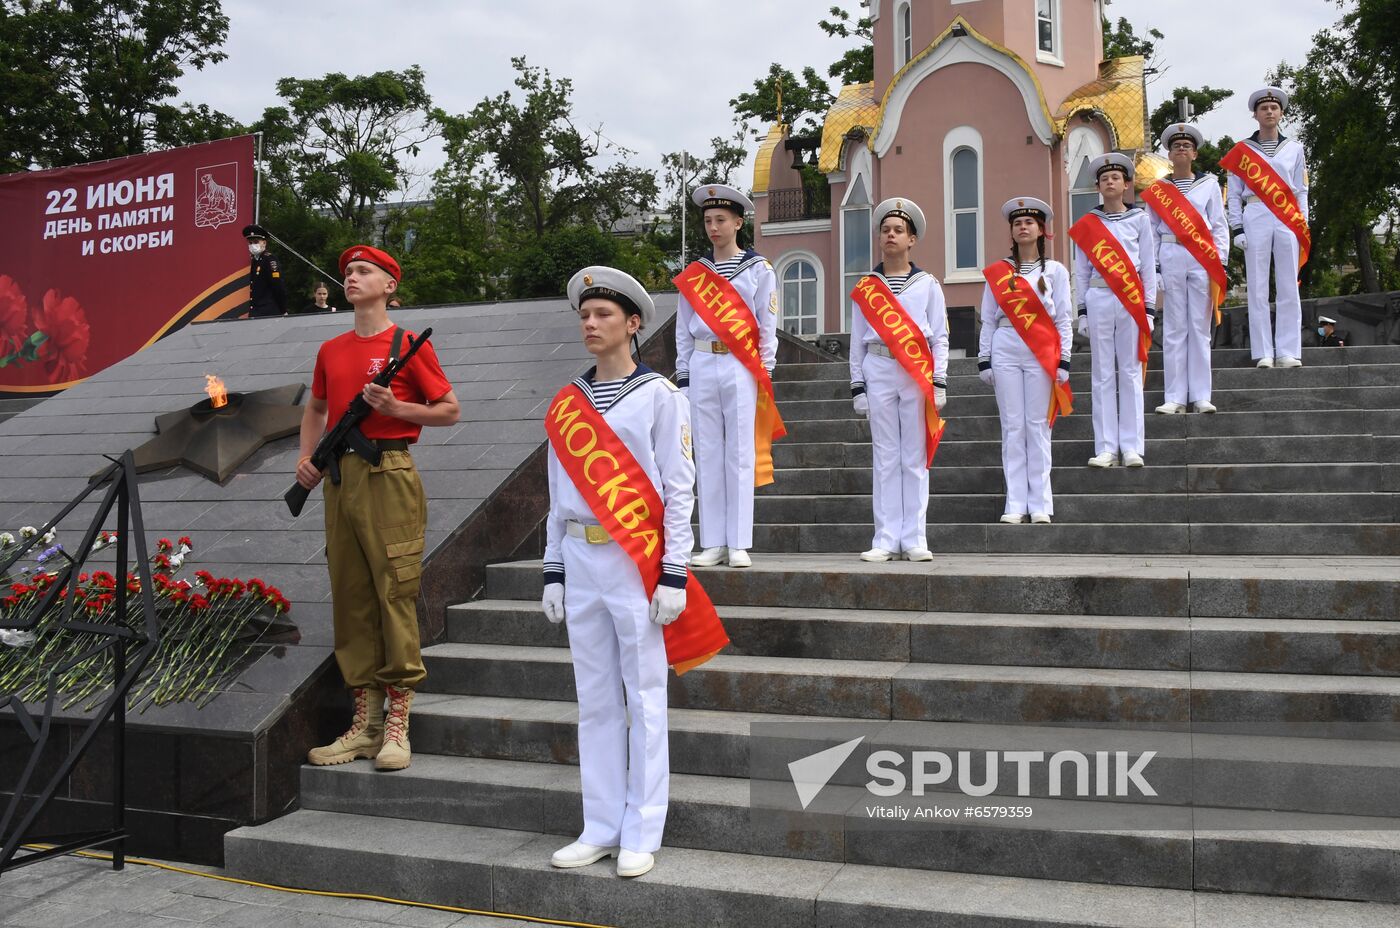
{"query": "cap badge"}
(711, 191)
(588, 280)
(899, 204)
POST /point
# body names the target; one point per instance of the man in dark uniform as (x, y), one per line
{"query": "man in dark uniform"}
(269, 296)
(1327, 334)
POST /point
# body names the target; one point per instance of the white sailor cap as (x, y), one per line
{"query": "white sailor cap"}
(611, 284)
(1326, 320)
(1268, 95)
(721, 196)
(1016, 207)
(907, 210)
(1113, 161)
(1181, 130)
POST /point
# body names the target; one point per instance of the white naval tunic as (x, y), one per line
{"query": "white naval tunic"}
(1268, 237)
(1116, 372)
(1186, 310)
(723, 397)
(897, 430)
(618, 653)
(1023, 388)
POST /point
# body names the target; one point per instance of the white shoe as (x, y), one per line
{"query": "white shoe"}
(919, 554)
(1107, 459)
(633, 863)
(1039, 518)
(1203, 406)
(1016, 518)
(1264, 362)
(710, 557)
(877, 554)
(1285, 361)
(1132, 459)
(1171, 409)
(579, 854)
(738, 557)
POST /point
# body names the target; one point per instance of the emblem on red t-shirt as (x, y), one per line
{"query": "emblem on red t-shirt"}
(375, 366)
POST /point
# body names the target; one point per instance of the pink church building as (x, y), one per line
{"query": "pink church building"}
(973, 102)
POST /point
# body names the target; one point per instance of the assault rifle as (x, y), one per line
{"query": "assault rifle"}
(345, 435)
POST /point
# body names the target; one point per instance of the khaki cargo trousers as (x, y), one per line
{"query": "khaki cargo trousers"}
(375, 521)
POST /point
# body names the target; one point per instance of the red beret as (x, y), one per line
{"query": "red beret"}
(373, 256)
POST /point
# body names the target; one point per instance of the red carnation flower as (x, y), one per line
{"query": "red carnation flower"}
(65, 353)
(185, 540)
(14, 315)
(198, 603)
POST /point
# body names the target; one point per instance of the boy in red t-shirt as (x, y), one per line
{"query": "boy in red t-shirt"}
(376, 516)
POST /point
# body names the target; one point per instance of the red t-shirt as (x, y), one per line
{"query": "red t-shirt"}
(349, 361)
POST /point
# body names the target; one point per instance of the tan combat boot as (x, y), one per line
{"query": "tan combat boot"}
(395, 754)
(363, 738)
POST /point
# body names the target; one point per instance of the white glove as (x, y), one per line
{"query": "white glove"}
(1241, 242)
(667, 604)
(1084, 326)
(862, 405)
(1151, 319)
(940, 398)
(1061, 375)
(553, 602)
(987, 376)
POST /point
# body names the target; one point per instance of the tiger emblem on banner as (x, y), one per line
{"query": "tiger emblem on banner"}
(216, 195)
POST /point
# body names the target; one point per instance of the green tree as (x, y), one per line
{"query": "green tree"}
(856, 65)
(85, 80)
(1344, 100)
(1120, 40)
(805, 101)
(681, 175)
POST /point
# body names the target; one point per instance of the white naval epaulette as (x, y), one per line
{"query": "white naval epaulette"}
(670, 386)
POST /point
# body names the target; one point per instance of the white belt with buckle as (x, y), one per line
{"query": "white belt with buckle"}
(593, 534)
(1168, 238)
(1099, 282)
(879, 348)
(712, 347)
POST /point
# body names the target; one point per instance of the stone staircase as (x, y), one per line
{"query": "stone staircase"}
(1234, 606)
(13, 405)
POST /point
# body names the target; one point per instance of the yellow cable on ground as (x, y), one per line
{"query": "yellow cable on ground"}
(321, 892)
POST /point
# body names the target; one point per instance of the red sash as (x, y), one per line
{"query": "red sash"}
(1033, 322)
(720, 307)
(1251, 166)
(887, 316)
(626, 504)
(1184, 221)
(1108, 257)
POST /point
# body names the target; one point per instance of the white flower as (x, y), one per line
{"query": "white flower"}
(48, 538)
(28, 531)
(6, 539)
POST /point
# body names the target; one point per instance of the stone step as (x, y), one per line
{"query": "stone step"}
(508, 871)
(1107, 508)
(987, 427)
(1159, 478)
(1228, 586)
(1317, 401)
(1145, 538)
(832, 451)
(1223, 381)
(1303, 772)
(942, 692)
(1222, 359)
(1109, 642)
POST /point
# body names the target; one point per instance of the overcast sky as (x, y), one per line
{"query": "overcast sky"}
(653, 74)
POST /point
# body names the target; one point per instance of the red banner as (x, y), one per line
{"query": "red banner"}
(1192, 232)
(99, 260)
(1033, 322)
(1250, 166)
(627, 505)
(1107, 256)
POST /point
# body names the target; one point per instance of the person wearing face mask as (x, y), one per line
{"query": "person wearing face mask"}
(268, 295)
(899, 380)
(1327, 335)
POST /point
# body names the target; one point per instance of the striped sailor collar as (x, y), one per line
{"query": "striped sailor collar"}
(914, 272)
(1099, 210)
(747, 259)
(1258, 143)
(640, 376)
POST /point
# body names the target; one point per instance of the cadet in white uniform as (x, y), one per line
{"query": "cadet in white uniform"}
(1187, 310)
(1116, 372)
(1008, 364)
(615, 636)
(884, 392)
(723, 394)
(1261, 235)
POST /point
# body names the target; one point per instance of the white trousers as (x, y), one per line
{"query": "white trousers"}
(1268, 238)
(619, 672)
(1023, 402)
(1186, 321)
(1116, 374)
(900, 452)
(723, 399)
